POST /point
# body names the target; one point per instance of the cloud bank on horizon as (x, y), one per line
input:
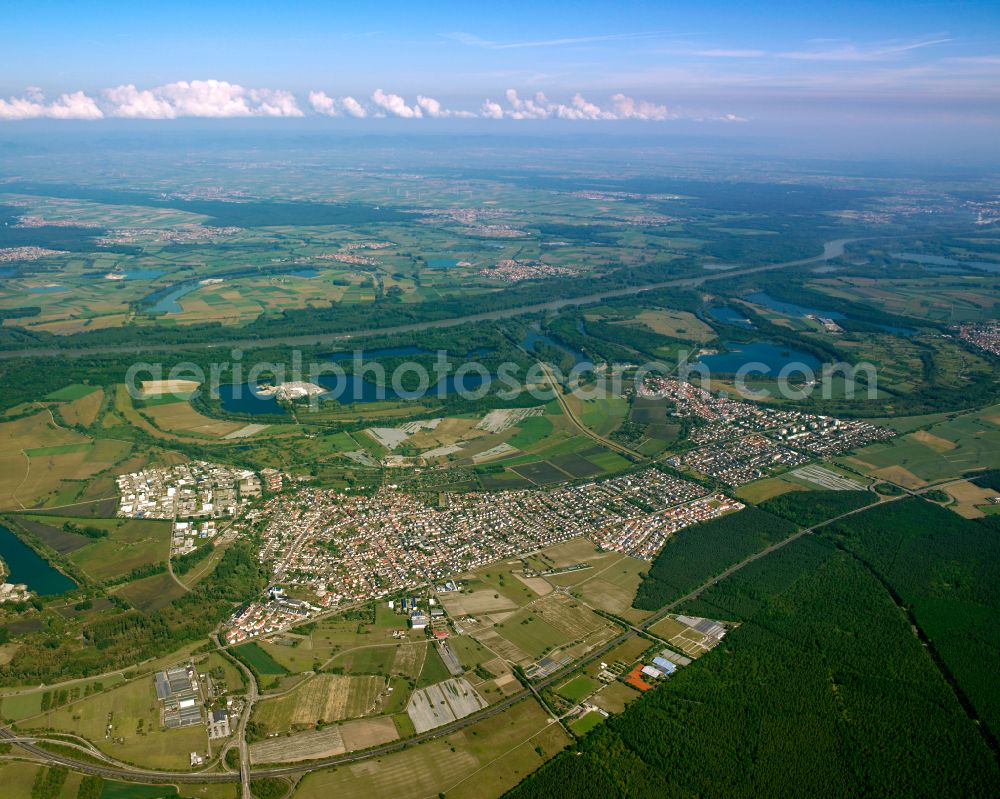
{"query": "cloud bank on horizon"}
(219, 99)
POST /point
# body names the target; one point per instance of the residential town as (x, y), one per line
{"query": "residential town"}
(985, 336)
(347, 549)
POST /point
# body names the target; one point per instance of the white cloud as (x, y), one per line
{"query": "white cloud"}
(626, 108)
(537, 108)
(322, 103)
(131, 103)
(432, 108)
(75, 105)
(579, 108)
(394, 105)
(353, 108)
(491, 110)
(221, 99)
(199, 98)
(274, 103)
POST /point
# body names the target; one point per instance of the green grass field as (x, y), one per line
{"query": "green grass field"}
(74, 391)
(576, 689)
(586, 723)
(531, 431)
(433, 670)
(257, 659)
(946, 449)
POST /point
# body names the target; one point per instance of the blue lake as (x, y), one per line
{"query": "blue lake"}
(442, 263)
(167, 302)
(25, 566)
(347, 390)
(765, 299)
(7, 271)
(940, 260)
(773, 356)
(730, 316)
(307, 272)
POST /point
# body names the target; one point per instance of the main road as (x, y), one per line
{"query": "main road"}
(831, 249)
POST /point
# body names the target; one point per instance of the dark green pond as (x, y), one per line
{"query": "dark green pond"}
(25, 566)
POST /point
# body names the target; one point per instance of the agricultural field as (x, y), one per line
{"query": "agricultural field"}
(483, 760)
(323, 698)
(152, 593)
(951, 300)
(586, 723)
(130, 544)
(577, 688)
(945, 449)
(334, 739)
(258, 659)
(550, 622)
(41, 461)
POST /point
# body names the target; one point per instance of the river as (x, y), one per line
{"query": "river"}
(831, 249)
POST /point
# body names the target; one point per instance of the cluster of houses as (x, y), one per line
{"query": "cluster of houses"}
(348, 548)
(263, 618)
(644, 537)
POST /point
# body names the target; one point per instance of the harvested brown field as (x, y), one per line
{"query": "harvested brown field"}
(484, 600)
(967, 496)
(537, 584)
(83, 411)
(495, 642)
(936, 443)
(181, 417)
(567, 615)
(326, 697)
(900, 476)
(333, 740)
(365, 733)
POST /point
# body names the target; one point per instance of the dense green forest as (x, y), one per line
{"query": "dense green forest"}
(946, 570)
(822, 690)
(702, 551)
(812, 507)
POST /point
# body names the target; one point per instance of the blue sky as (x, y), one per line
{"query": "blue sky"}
(713, 62)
